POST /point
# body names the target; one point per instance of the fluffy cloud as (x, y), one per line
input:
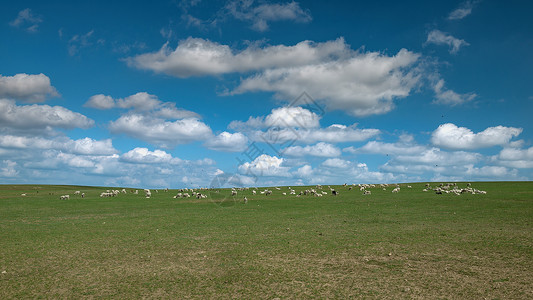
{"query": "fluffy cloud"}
(230, 142)
(265, 165)
(39, 117)
(375, 147)
(160, 132)
(361, 84)
(452, 137)
(141, 102)
(449, 97)
(320, 150)
(145, 156)
(357, 82)
(200, 57)
(299, 124)
(462, 11)
(335, 133)
(515, 158)
(260, 15)
(282, 117)
(27, 88)
(438, 37)
(27, 20)
(85, 146)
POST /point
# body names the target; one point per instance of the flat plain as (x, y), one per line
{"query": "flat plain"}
(411, 244)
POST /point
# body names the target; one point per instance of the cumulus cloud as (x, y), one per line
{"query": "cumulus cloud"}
(375, 147)
(515, 158)
(282, 117)
(336, 163)
(449, 97)
(229, 142)
(462, 11)
(265, 165)
(260, 15)
(200, 57)
(39, 117)
(145, 156)
(438, 37)
(26, 20)
(452, 137)
(159, 131)
(335, 133)
(141, 102)
(298, 124)
(321, 150)
(85, 146)
(361, 83)
(27, 88)
(305, 171)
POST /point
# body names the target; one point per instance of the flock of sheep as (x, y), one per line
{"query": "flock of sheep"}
(317, 191)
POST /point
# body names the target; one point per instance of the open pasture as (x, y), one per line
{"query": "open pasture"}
(410, 244)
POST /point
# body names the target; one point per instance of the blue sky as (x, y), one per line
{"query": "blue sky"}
(174, 93)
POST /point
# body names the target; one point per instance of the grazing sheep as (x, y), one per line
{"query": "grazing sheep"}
(334, 192)
(83, 195)
(254, 192)
(396, 190)
(367, 192)
(65, 197)
(77, 192)
(245, 200)
(147, 193)
(233, 193)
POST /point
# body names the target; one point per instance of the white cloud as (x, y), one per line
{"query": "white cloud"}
(141, 102)
(85, 146)
(100, 101)
(230, 142)
(438, 37)
(200, 57)
(375, 147)
(335, 133)
(437, 157)
(27, 20)
(336, 163)
(27, 87)
(360, 84)
(7, 169)
(299, 124)
(260, 15)
(515, 158)
(452, 137)
(265, 165)
(281, 117)
(305, 171)
(39, 117)
(145, 156)
(449, 97)
(160, 132)
(292, 117)
(462, 11)
(321, 150)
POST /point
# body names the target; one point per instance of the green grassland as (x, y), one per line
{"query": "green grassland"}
(412, 244)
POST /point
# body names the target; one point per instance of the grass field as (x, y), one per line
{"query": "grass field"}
(413, 244)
